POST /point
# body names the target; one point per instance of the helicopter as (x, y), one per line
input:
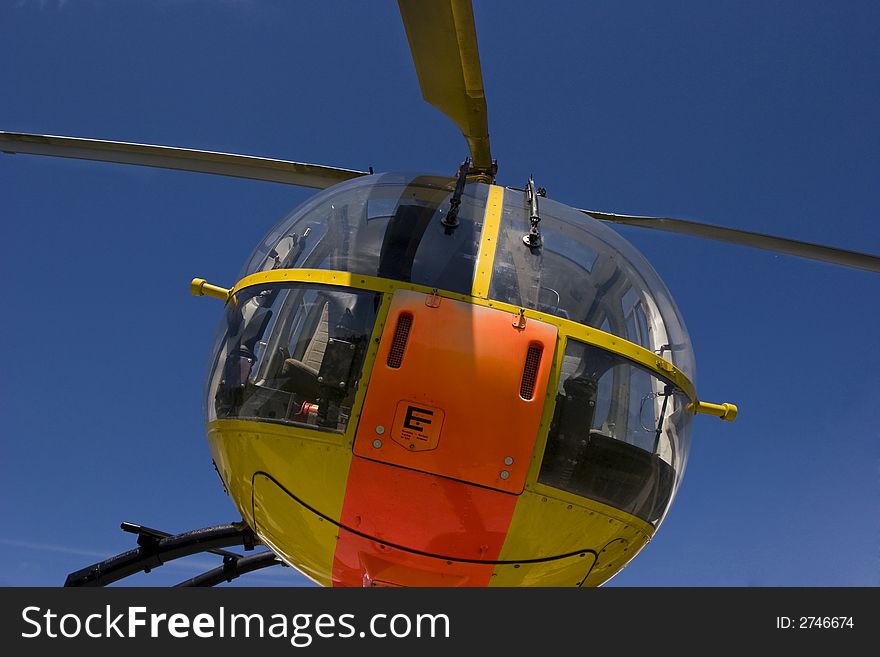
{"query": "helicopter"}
(548, 203)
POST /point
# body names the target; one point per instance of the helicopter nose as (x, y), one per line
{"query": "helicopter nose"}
(445, 439)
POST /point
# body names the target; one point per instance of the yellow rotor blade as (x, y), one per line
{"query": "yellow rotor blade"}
(443, 41)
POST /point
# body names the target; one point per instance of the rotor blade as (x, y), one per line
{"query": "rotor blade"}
(745, 238)
(184, 159)
(443, 40)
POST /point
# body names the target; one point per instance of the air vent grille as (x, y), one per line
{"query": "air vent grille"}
(530, 372)
(398, 345)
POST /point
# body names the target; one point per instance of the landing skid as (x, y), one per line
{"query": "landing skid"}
(156, 548)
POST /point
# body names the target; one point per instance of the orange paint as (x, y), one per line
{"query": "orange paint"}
(450, 405)
(362, 562)
(414, 529)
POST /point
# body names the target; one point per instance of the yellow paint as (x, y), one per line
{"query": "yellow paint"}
(443, 41)
(312, 465)
(565, 327)
(568, 571)
(592, 505)
(611, 559)
(303, 538)
(199, 287)
(725, 411)
(549, 523)
(488, 243)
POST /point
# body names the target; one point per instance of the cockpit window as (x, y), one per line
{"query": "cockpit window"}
(387, 225)
(586, 272)
(292, 354)
(620, 434)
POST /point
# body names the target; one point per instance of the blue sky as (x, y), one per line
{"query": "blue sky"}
(750, 114)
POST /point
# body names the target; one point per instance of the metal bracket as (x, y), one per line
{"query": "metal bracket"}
(484, 175)
(450, 221)
(665, 365)
(532, 239)
(519, 321)
(725, 411)
(433, 300)
(199, 287)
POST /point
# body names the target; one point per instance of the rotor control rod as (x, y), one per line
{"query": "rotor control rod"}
(451, 218)
(532, 239)
(725, 411)
(199, 287)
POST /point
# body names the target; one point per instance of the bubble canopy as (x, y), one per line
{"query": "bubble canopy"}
(389, 225)
(620, 430)
(385, 225)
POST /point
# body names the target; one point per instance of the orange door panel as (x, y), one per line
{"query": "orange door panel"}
(410, 528)
(457, 390)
